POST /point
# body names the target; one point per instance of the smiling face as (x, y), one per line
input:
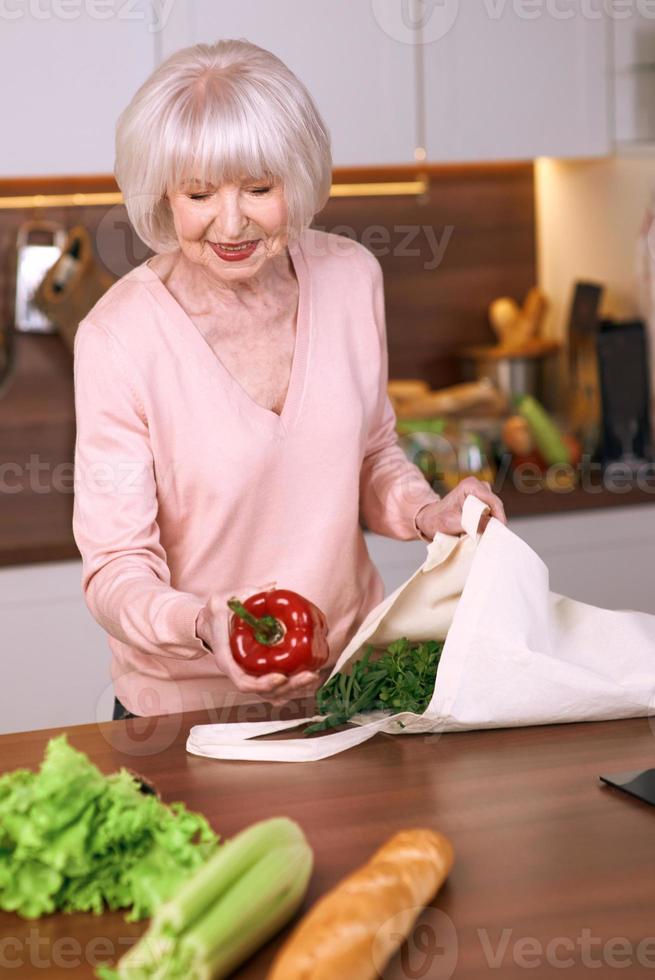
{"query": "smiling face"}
(250, 216)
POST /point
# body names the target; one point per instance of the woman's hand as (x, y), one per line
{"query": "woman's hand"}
(212, 626)
(446, 515)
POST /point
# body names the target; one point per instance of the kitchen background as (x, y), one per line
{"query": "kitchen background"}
(483, 151)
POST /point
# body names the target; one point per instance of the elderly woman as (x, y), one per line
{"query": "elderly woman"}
(233, 424)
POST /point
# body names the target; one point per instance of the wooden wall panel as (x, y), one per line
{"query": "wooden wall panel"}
(485, 215)
(485, 212)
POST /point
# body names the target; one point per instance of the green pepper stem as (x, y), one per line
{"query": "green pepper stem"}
(267, 629)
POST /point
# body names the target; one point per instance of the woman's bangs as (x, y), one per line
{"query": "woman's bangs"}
(217, 144)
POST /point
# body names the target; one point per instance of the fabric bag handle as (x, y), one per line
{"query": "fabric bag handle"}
(223, 742)
(472, 513)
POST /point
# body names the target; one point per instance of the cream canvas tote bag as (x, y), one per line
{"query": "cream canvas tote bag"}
(515, 653)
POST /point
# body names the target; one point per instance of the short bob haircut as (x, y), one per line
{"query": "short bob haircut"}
(220, 112)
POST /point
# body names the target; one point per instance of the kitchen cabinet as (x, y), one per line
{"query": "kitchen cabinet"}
(633, 46)
(510, 80)
(498, 82)
(604, 557)
(55, 657)
(394, 560)
(68, 70)
(360, 76)
(497, 85)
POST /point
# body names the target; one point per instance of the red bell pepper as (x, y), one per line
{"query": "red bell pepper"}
(277, 631)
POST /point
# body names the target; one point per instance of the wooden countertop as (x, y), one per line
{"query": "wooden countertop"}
(546, 856)
(37, 440)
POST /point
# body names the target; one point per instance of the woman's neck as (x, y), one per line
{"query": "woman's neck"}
(200, 292)
(202, 279)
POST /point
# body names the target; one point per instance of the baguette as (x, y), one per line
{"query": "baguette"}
(375, 906)
(407, 387)
(401, 391)
(457, 398)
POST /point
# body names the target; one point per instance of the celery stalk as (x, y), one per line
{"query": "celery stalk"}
(251, 912)
(226, 866)
(145, 959)
(546, 434)
(243, 895)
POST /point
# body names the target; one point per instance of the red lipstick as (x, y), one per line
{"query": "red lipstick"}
(235, 253)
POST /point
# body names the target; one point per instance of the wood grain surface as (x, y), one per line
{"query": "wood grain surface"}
(553, 874)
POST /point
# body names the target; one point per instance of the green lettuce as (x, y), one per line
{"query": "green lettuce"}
(75, 840)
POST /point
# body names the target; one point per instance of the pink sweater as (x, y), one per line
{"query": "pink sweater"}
(186, 487)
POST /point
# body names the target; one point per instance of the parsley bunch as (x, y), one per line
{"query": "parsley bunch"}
(402, 679)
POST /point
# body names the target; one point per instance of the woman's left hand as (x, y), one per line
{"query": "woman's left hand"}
(446, 515)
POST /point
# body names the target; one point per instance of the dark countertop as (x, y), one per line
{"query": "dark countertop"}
(543, 849)
(592, 497)
(37, 439)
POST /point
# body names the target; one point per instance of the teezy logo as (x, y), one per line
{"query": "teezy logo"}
(415, 21)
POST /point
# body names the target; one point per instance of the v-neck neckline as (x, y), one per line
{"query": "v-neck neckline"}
(293, 400)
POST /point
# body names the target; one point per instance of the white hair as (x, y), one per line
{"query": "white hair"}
(217, 112)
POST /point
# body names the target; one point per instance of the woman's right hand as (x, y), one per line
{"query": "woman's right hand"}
(212, 626)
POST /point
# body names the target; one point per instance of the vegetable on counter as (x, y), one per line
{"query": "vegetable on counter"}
(402, 679)
(277, 631)
(547, 436)
(517, 435)
(243, 895)
(352, 932)
(76, 840)
(535, 441)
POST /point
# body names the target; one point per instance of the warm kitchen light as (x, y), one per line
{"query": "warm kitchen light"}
(361, 189)
(59, 200)
(380, 189)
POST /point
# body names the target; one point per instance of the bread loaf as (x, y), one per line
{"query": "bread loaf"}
(456, 398)
(407, 387)
(352, 932)
(403, 390)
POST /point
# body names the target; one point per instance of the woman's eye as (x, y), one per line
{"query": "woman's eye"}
(260, 190)
(198, 197)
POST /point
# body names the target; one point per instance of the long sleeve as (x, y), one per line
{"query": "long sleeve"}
(392, 489)
(125, 578)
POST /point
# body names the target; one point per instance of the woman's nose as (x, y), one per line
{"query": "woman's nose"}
(230, 221)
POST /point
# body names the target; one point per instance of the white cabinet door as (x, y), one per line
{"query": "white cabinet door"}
(54, 658)
(603, 557)
(511, 80)
(634, 79)
(394, 560)
(66, 72)
(360, 76)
